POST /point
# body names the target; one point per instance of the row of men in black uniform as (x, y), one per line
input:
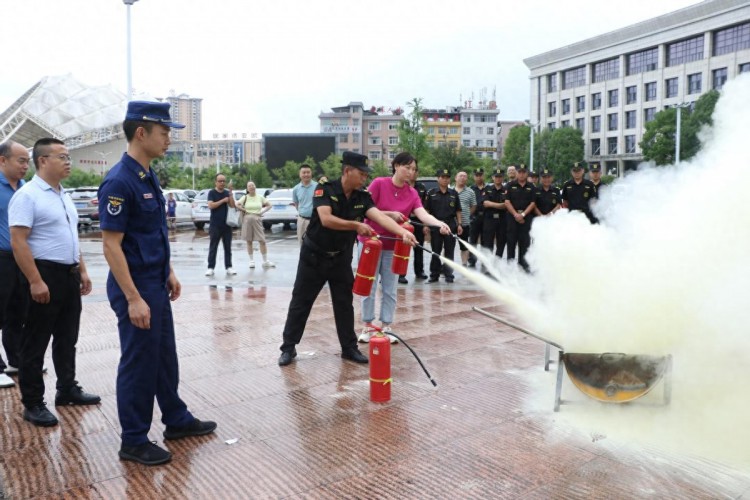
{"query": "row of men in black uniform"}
(504, 210)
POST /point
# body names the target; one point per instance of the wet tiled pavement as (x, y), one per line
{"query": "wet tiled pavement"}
(309, 430)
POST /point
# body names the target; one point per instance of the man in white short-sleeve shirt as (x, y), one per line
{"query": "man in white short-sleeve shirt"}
(44, 238)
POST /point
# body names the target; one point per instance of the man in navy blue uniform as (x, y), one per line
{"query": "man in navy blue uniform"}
(140, 285)
(339, 211)
(442, 202)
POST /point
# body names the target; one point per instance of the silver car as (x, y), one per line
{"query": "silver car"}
(282, 209)
(87, 204)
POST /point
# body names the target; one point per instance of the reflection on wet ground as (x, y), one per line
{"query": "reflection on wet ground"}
(309, 429)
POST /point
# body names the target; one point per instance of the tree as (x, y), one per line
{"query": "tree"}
(77, 178)
(380, 169)
(517, 145)
(331, 166)
(565, 147)
(541, 149)
(288, 175)
(658, 142)
(259, 174)
(454, 159)
(411, 135)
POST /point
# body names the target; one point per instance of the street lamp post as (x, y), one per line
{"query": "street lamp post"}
(128, 3)
(532, 126)
(104, 160)
(679, 130)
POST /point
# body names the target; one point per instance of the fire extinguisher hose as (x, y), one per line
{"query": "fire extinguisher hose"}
(412, 351)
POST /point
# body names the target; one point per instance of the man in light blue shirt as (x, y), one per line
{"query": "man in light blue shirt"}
(14, 163)
(44, 237)
(302, 197)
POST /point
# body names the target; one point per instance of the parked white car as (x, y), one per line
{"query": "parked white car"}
(184, 211)
(282, 209)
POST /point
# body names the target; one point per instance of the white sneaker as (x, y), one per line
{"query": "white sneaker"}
(252, 264)
(387, 330)
(209, 272)
(231, 272)
(268, 264)
(6, 381)
(367, 332)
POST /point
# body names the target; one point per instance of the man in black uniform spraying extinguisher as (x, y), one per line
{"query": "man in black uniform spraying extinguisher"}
(339, 209)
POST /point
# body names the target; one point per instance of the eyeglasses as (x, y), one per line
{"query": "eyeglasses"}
(62, 157)
(221, 180)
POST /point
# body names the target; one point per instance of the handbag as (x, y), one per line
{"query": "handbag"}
(233, 217)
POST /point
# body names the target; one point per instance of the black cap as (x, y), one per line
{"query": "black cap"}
(578, 166)
(442, 172)
(479, 171)
(521, 167)
(498, 171)
(546, 172)
(533, 174)
(356, 160)
(595, 167)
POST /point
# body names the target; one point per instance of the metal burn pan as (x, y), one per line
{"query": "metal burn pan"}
(606, 377)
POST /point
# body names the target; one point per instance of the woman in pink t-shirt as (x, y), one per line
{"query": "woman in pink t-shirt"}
(397, 199)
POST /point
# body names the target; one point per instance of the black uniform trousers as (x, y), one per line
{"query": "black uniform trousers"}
(475, 234)
(447, 245)
(148, 366)
(519, 234)
(495, 232)
(216, 233)
(59, 319)
(418, 252)
(314, 270)
(13, 305)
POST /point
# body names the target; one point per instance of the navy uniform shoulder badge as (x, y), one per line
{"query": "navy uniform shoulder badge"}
(114, 205)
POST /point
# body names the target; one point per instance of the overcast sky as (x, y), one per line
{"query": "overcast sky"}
(274, 65)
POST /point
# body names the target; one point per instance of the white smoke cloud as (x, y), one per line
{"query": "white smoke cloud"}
(666, 272)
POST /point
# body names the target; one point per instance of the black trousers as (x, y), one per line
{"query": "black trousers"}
(447, 245)
(13, 307)
(223, 233)
(495, 232)
(519, 234)
(314, 270)
(59, 320)
(475, 233)
(418, 252)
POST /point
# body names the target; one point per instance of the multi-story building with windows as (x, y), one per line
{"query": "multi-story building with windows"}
(479, 129)
(611, 85)
(372, 132)
(187, 110)
(443, 126)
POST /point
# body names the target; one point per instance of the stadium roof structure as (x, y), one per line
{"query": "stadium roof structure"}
(63, 107)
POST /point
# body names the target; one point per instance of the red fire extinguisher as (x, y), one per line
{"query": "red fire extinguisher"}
(401, 253)
(368, 263)
(380, 368)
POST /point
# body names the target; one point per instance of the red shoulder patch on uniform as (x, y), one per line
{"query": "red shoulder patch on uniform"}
(318, 192)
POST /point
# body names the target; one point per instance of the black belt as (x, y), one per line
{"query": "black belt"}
(303, 217)
(68, 268)
(316, 249)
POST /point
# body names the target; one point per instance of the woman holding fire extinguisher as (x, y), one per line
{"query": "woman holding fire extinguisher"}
(395, 197)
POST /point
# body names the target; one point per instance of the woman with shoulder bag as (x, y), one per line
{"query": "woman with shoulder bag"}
(253, 206)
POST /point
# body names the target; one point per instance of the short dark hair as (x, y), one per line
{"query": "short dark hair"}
(305, 165)
(217, 176)
(6, 148)
(130, 126)
(402, 158)
(40, 148)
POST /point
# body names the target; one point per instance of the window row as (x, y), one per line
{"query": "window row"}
(725, 41)
(612, 146)
(693, 85)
